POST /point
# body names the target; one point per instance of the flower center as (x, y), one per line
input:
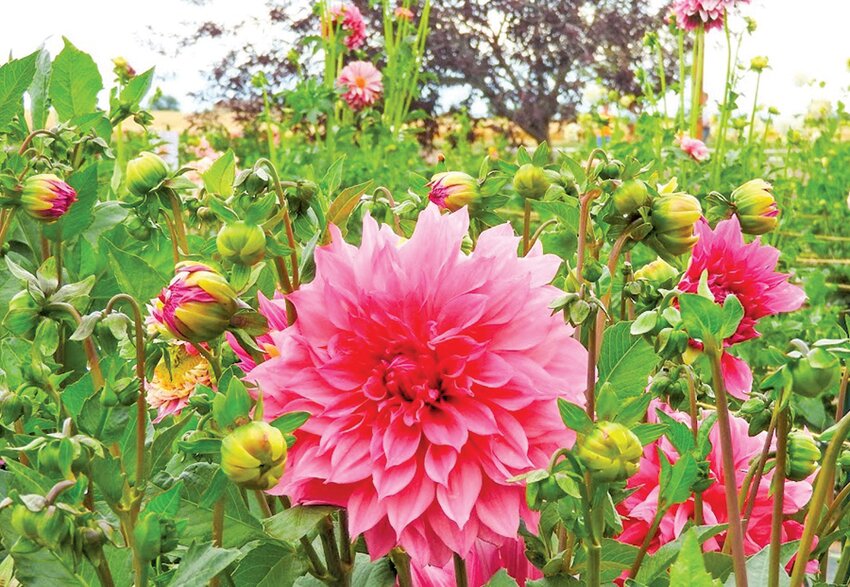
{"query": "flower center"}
(360, 82)
(406, 379)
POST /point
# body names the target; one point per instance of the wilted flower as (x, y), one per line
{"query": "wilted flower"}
(242, 243)
(639, 508)
(175, 380)
(428, 383)
(530, 181)
(145, 172)
(349, 17)
(755, 207)
(695, 148)
(674, 217)
(362, 84)
(453, 190)
(197, 305)
(45, 197)
(254, 455)
(611, 452)
(749, 272)
(403, 13)
(803, 455)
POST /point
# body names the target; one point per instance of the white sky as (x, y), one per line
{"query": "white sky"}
(802, 39)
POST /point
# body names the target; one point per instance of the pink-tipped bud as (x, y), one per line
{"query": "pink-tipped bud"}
(45, 197)
(453, 190)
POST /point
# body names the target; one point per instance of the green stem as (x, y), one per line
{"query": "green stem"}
(755, 108)
(179, 226)
(647, 541)
(401, 560)
(735, 532)
(822, 486)
(680, 116)
(778, 500)
(88, 343)
(526, 227)
(346, 551)
(264, 505)
(842, 574)
(217, 531)
(720, 152)
(287, 220)
(461, 577)
(5, 222)
(326, 534)
(696, 81)
(211, 360)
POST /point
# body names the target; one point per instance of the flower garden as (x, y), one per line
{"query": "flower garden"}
(356, 343)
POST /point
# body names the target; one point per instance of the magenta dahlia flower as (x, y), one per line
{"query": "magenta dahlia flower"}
(695, 148)
(692, 13)
(362, 84)
(749, 272)
(351, 19)
(639, 508)
(431, 377)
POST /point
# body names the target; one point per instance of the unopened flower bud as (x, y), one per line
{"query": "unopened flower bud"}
(11, 406)
(844, 460)
(758, 64)
(674, 217)
(254, 455)
(610, 451)
(197, 305)
(658, 272)
(453, 190)
(610, 170)
(531, 181)
(241, 243)
(145, 172)
(813, 373)
(45, 197)
(23, 315)
(803, 456)
(630, 196)
(592, 270)
(755, 207)
(138, 228)
(753, 406)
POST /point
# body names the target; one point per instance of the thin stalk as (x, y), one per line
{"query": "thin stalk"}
(680, 115)
(590, 390)
(401, 560)
(175, 251)
(696, 94)
(5, 222)
(140, 571)
(759, 469)
(539, 232)
(822, 486)
(88, 344)
(104, 574)
(396, 221)
(662, 76)
(692, 404)
(735, 532)
(345, 549)
(647, 541)
(724, 108)
(286, 286)
(179, 227)
(526, 227)
(326, 534)
(841, 574)
(19, 429)
(461, 577)
(834, 507)
(211, 360)
(287, 221)
(778, 499)
(753, 114)
(264, 505)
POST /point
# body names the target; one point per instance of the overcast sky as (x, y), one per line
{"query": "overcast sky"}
(804, 40)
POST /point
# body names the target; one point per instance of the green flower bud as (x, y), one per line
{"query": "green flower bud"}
(11, 406)
(54, 527)
(803, 456)
(611, 170)
(658, 273)
(254, 455)
(844, 460)
(630, 196)
(23, 315)
(592, 270)
(759, 423)
(145, 172)
(531, 182)
(155, 535)
(674, 217)
(813, 373)
(610, 451)
(25, 522)
(759, 63)
(138, 228)
(753, 406)
(755, 207)
(241, 243)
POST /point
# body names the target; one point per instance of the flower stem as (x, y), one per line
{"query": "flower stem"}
(753, 115)
(287, 221)
(401, 560)
(461, 577)
(179, 227)
(590, 389)
(647, 541)
(264, 505)
(759, 468)
(735, 532)
(5, 222)
(217, 531)
(211, 360)
(822, 486)
(345, 540)
(326, 534)
(692, 405)
(88, 343)
(526, 227)
(778, 499)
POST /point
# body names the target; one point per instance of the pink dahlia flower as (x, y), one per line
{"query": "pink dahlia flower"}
(431, 377)
(749, 272)
(638, 510)
(174, 381)
(45, 197)
(695, 148)
(362, 84)
(403, 13)
(484, 561)
(351, 20)
(274, 311)
(709, 13)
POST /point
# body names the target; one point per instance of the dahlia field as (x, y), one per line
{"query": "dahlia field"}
(351, 341)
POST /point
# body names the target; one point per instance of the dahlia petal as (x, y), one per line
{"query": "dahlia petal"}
(445, 426)
(365, 510)
(391, 480)
(459, 496)
(439, 462)
(400, 442)
(499, 510)
(737, 376)
(409, 504)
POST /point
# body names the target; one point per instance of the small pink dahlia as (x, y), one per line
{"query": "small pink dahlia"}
(362, 84)
(749, 272)
(351, 19)
(695, 148)
(639, 508)
(709, 13)
(431, 377)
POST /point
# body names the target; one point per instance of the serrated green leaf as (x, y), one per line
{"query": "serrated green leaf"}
(38, 90)
(625, 361)
(270, 565)
(201, 563)
(218, 179)
(574, 417)
(689, 568)
(74, 83)
(293, 523)
(15, 77)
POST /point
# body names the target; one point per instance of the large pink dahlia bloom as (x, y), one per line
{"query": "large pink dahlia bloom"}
(362, 84)
(749, 272)
(638, 510)
(431, 377)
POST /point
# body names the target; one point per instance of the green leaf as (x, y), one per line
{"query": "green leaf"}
(293, 523)
(15, 77)
(39, 101)
(345, 203)
(218, 179)
(41, 567)
(655, 564)
(107, 476)
(269, 565)
(167, 502)
(501, 579)
(201, 563)
(372, 574)
(678, 433)
(134, 275)
(290, 422)
(231, 405)
(733, 312)
(625, 360)
(27, 480)
(758, 565)
(136, 88)
(644, 323)
(75, 83)
(81, 213)
(703, 319)
(676, 481)
(689, 568)
(648, 433)
(574, 417)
